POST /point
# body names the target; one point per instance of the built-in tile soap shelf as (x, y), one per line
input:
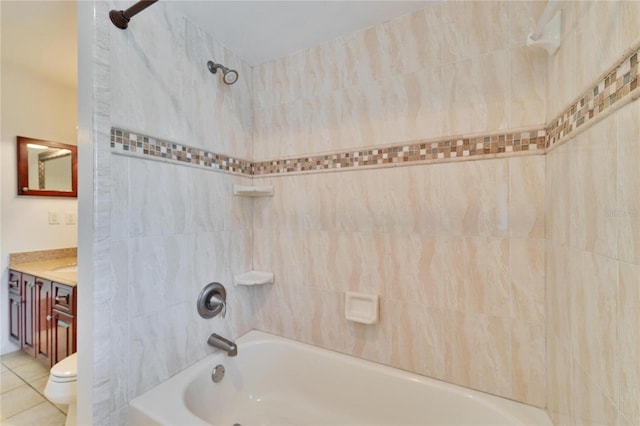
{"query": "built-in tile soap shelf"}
(253, 191)
(253, 278)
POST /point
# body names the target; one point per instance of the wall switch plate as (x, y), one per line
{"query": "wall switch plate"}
(70, 219)
(54, 218)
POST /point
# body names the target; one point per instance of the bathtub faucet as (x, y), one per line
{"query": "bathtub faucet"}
(220, 342)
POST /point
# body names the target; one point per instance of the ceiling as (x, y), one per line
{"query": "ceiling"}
(261, 31)
(256, 31)
(46, 31)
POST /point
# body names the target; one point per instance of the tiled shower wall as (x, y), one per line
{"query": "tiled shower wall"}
(450, 69)
(455, 250)
(593, 274)
(173, 229)
(593, 231)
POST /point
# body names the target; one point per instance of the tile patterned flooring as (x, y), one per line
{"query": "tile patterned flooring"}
(22, 400)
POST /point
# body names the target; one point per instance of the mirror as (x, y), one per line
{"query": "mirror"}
(47, 168)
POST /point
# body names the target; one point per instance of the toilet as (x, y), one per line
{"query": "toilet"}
(62, 385)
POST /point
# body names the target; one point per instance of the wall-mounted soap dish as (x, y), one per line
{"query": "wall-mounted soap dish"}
(361, 307)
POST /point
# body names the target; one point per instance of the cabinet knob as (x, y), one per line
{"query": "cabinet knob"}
(49, 317)
(16, 304)
(25, 189)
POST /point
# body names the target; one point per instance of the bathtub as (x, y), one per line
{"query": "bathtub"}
(276, 381)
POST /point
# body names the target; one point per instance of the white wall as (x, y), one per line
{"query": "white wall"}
(33, 107)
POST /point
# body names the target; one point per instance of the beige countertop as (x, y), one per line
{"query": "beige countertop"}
(47, 269)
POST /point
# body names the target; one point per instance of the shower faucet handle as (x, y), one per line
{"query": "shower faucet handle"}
(212, 301)
(218, 304)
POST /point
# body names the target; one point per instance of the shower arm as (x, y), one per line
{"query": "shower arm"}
(121, 18)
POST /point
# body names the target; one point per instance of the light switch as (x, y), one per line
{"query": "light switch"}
(54, 218)
(70, 219)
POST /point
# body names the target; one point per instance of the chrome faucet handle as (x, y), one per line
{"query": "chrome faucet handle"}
(212, 301)
(218, 304)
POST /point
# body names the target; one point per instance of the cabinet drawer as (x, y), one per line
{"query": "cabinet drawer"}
(14, 281)
(63, 298)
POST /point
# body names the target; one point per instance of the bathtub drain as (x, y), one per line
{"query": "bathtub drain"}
(218, 373)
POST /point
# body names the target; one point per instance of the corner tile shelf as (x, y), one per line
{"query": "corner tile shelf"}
(253, 191)
(253, 278)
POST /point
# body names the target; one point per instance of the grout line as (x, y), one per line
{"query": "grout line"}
(31, 386)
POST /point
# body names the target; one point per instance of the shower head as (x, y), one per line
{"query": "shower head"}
(228, 76)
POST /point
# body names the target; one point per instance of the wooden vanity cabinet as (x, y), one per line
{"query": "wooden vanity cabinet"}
(44, 331)
(15, 308)
(29, 314)
(15, 318)
(36, 318)
(64, 332)
(42, 317)
(64, 322)
(14, 282)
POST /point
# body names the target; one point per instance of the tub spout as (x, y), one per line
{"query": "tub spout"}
(220, 342)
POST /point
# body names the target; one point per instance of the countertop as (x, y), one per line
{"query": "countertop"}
(45, 269)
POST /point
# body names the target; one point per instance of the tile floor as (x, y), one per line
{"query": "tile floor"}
(22, 401)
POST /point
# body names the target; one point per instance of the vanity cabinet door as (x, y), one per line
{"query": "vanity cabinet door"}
(15, 318)
(44, 323)
(29, 314)
(64, 336)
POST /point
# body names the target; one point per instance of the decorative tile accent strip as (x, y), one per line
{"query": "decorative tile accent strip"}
(434, 149)
(616, 85)
(443, 149)
(124, 141)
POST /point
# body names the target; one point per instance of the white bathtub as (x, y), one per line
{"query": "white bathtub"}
(276, 381)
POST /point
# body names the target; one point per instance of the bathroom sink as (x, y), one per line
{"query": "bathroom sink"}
(70, 268)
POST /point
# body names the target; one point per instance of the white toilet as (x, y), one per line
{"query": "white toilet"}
(62, 385)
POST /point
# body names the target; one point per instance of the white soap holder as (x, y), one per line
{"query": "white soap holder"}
(254, 278)
(361, 307)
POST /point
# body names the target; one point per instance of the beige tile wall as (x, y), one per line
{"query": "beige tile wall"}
(446, 274)
(440, 71)
(455, 251)
(593, 274)
(593, 231)
(594, 35)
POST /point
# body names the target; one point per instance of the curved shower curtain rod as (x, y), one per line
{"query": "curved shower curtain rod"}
(121, 18)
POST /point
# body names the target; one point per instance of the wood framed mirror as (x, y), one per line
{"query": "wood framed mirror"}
(47, 169)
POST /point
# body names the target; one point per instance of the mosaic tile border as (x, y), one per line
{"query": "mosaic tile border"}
(124, 141)
(617, 84)
(435, 149)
